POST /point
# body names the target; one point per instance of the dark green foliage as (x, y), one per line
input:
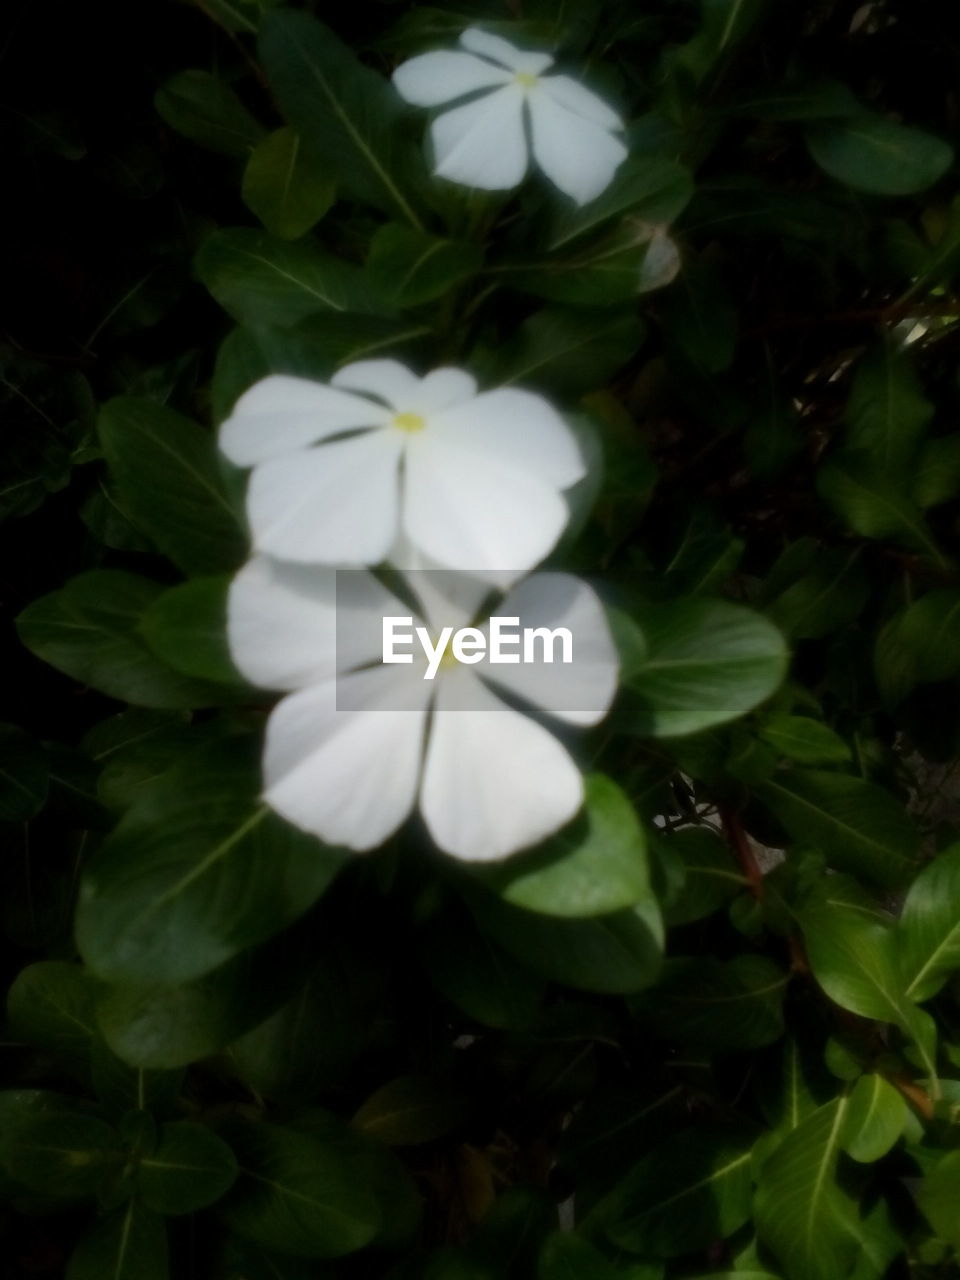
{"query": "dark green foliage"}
(720, 1008)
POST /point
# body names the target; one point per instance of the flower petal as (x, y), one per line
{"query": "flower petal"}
(578, 156)
(500, 50)
(281, 413)
(482, 143)
(336, 504)
(287, 624)
(521, 428)
(581, 691)
(389, 380)
(442, 388)
(576, 97)
(433, 78)
(494, 781)
(469, 510)
(350, 777)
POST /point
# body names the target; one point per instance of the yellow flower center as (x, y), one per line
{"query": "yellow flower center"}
(448, 660)
(409, 422)
(526, 79)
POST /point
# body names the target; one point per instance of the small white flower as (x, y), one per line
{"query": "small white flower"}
(356, 742)
(473, 481)
(483, 143)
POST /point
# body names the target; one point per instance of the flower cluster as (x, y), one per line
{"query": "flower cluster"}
(460, 490)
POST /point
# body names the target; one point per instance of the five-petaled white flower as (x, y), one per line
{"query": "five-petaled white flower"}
(474, 481)
(355, 741)
(483, 143)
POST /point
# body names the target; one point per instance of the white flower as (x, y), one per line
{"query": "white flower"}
(473, 481)
(355, 742)
(483, 143)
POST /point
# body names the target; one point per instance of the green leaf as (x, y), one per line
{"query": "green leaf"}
(704, 558)
(603, 1138)
(631, 259)
(887, 412)
(64, 1156)
(297, 1195)
(717, 1007)
(649, 188)
(376, 1167)
(477, 975)
(710, 874)
(128, 1244)
(189, 1168)
(860, 827)
(569, 1257)
(312, 1040)
(260, 280)
(90, 630)
(828, 593)
(50, 1005)
(411, 1110)
(24, 775)
(707, 662)
(854, 957)
(234, 15)
(700, 321)
(823, 100)
(937, 1198)
(164, 1027)
(725, 24)
(205, 110)
(410, 267)
(614, 953)
(929, 930)
(286, 186)
(874, 1119)
(876, 155)
(805, 740)
(136, 746)
(690, 1191)
(936, 473)
(568, 351)
(872, 505)
(593, 867)
(350, 115)
(929, 631)
(186, 628)
(122, 1088)
(802, 1213)
(168, 471)
(196, 871)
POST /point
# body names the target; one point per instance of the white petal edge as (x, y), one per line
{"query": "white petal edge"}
(578, 156)
(520, 428)
(282, 623)
(470, 511)
(281, 413)
(335, 504)
(292, 625)
(500, 50)
(494, 781)
(388, 379)
(442, 388)
(349, 777)
(576, 97)
(434, 78)
(482, 144)
(579, 692)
